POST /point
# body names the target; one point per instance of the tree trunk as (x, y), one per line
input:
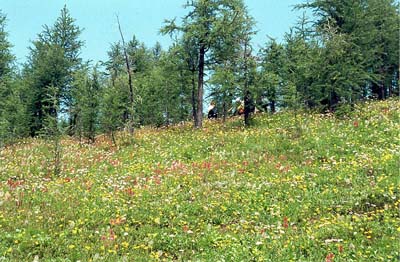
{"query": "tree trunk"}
(199, 113)
(247, 108)
(272, 106)
(382, 90)
(128, 69)
(194, 111)
(113, 138)
(224, 108)
(246, 98)
(182, 115)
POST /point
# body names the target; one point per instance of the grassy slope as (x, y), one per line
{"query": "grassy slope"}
(286, 189)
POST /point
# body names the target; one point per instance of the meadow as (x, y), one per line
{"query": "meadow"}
(293, 187)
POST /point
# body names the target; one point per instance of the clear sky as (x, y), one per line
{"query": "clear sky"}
(25, 19)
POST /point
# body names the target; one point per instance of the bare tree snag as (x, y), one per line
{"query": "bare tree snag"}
(128, 69)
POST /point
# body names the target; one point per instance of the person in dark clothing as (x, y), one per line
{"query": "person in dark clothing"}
(249, 107)
(212, 111)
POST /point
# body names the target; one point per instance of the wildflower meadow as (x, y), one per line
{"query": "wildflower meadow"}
(292, 187)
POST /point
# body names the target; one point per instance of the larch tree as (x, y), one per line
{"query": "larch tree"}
(87, 93)
(13, 115)
(53, 59)
(271, 75)
(370, 26)
(207, 27)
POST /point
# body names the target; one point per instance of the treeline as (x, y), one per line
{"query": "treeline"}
(347, 52)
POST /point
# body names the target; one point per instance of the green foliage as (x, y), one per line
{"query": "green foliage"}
(343, 75)
(161, 83)
(13, 117)
(347, 52)
(6, 58)
(53, 59)
(87, 94)
(216, 30)
(165, 93)
(365, 35)
(51, 130)
(272, 75)
(113, 108)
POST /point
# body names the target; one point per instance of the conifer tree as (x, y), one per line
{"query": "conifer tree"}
(208, 27)
(372, 28)
(53, 58)
(87, 94)
(13, 115)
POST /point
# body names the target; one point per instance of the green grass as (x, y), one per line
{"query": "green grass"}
(286, 189)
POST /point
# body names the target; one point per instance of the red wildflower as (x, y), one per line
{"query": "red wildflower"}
(112, 235)
(329, 257)
(130, 191)
(285, 222)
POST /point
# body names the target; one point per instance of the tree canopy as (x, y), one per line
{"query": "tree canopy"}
(345, 53)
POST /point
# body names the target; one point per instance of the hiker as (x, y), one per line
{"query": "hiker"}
(212, 111)
(249, 106)
(238, 107)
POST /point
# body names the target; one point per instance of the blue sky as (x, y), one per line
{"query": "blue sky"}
(25, 19)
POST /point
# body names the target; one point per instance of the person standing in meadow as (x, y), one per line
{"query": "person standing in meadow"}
(212, 111)
(237, 108)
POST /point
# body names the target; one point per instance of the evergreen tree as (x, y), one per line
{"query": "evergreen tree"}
(208, 27)
(271, 76)
(224, 87)
(6, 58)
(342, 70)
(300, 70)
(164, 90)
(13, 115)
(65, 34)
(187, 63)
(235, 51)
(51, 130)
(112, 107)
(87, 93)
(115, 64)
(370, 26)
(53, 59)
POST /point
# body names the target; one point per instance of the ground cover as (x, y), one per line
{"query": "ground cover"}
(304, 187)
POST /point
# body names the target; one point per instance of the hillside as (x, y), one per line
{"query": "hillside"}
(290, 188)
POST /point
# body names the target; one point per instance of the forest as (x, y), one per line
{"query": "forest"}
(347, 52)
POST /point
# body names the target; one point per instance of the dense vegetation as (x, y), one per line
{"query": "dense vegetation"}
(294, 187)
(100, 162)
(347, 52)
